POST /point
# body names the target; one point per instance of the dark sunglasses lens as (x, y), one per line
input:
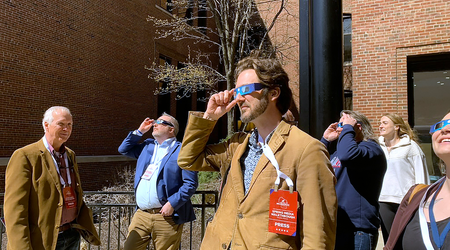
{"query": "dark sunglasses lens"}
(166, 123)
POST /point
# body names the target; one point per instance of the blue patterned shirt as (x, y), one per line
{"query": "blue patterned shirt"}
(251, 157)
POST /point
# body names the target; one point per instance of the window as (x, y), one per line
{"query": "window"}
(164, 100)
(184, 105)
(189, 10)
(347, 29)
(428, 88)
(166, 4)
(202, 16)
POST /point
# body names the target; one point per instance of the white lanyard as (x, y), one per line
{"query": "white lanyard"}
(269, 154)
(51, 149)
(69, 179)
(423, 220)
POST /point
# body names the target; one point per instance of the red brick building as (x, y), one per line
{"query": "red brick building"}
(396, 59)
(401, 62)
(89, 56)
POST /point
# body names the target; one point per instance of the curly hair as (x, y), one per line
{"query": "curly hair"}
(270, 73)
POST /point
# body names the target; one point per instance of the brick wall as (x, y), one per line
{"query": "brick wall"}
(347, 6)
(284, 36)
(384, 34)
(88, 56)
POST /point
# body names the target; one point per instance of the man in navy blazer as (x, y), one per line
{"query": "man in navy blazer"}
(163, 190)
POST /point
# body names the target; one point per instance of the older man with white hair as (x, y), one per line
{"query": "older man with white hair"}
(44, 207)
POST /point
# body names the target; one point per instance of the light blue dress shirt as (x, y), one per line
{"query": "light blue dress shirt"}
(146, 193)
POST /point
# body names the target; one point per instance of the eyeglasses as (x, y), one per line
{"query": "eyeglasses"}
(247, 89)
(439, 126)
(160, 121)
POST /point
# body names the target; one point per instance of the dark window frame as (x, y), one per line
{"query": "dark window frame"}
(347, 31)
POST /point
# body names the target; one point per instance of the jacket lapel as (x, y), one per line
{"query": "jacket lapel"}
(166, 158)
(236, 174)
(275, 143)
(71, 158)
(47, 161)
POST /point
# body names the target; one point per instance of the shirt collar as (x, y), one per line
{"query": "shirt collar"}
(255, 140)
(50, 148)
(167, 142)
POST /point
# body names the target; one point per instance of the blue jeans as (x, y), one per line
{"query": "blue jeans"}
(365, 241)
(356, 240)
(68, 240)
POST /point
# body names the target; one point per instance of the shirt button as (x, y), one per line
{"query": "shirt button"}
(224, 246)
(240, 216)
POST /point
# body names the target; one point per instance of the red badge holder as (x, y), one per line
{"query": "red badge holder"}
(283, 211)
(69, 197)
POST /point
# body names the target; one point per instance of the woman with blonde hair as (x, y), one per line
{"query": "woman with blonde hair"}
(423, 219)
(406, 166)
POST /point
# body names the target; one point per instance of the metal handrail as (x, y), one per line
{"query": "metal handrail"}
(126, 210)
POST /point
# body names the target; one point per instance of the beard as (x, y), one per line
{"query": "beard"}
(253, 113)
(156, 133)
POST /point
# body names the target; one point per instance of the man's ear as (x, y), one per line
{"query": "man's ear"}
(274, 93)
(172, 130)
(359, 126)
(46, 126)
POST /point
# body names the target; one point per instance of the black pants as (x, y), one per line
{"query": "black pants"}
(387, 214)
(68, 240)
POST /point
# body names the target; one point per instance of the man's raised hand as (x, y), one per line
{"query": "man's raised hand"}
(146, 125)
(219, 104)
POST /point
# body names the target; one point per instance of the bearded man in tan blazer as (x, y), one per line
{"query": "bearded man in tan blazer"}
(251, 164)
(44, 207)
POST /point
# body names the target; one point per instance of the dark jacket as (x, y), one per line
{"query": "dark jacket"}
(404, 214)
(173, 184)
(359, 168)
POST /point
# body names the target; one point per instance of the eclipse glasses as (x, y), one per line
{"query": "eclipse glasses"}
(439, 125)
(160, 121)
(248, 89)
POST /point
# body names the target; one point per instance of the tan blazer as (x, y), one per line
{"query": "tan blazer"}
(242, 219)
(33, 200)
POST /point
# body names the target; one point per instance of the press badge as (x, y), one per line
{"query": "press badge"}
(283, 203)
(283, 212)
(69, 197)
(149, 171)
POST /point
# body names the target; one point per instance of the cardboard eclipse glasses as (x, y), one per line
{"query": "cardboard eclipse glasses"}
(160, 121)
(439, 125)
(248, 89)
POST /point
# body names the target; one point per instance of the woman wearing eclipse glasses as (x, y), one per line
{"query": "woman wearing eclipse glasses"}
(423, 218)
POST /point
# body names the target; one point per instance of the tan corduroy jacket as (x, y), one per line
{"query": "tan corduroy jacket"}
(242, 219)
(33, 200)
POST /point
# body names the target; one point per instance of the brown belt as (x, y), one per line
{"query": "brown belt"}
(65, 227)
(152, 210)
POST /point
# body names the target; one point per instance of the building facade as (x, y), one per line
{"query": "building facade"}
(401, 62)
(89, 56)
(396, 60)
